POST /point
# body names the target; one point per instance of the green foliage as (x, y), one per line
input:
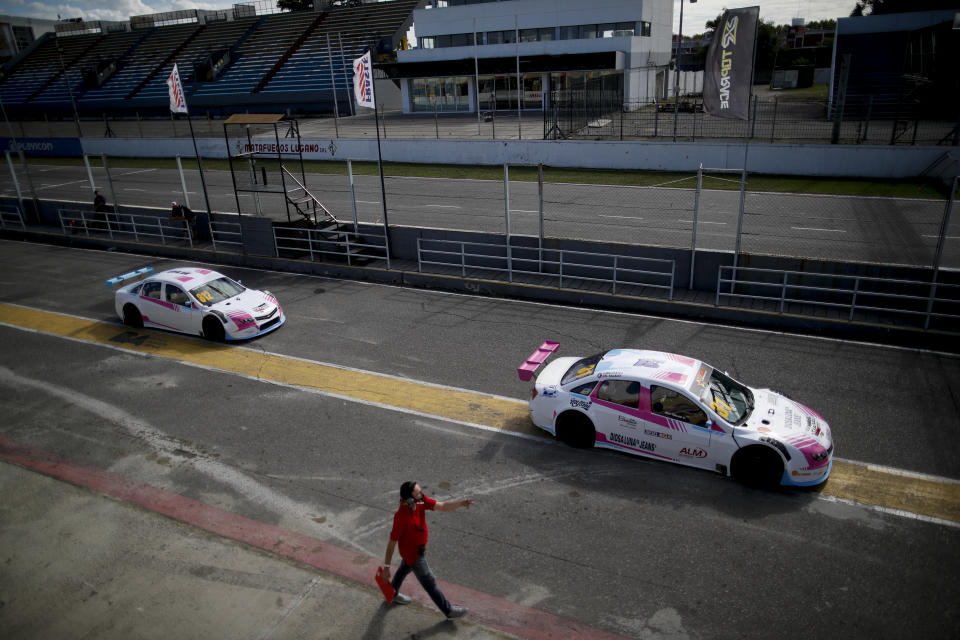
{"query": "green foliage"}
(881, 7)
(295, 5)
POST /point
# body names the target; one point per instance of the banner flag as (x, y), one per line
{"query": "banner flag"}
(728, 74)
(178, 102)
(363, 81)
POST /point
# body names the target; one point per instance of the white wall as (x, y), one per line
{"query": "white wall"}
(815, 160)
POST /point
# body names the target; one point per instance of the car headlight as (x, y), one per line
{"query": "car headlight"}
(820, 456)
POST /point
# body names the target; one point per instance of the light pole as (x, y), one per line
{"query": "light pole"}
(676, 82)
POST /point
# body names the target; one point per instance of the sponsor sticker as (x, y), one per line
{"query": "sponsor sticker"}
(657, 434)
(629, 441)
(581, 404)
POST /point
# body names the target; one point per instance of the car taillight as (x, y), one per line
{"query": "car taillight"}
(533, 392)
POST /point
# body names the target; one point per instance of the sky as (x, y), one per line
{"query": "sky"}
(695, 15)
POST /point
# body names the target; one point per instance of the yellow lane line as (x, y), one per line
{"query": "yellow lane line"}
(922, 496)
(443, 402)
(928, 497)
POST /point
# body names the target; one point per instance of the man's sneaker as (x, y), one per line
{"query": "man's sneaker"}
(457, 612)
(401, 599)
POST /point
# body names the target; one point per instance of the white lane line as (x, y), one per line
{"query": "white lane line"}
(621, 217)
(63, 184)
(368, 202)
(947, 237)
(702, 222)
(128, 189)
(894, 512)
(522, 211)
(437, 206)
(130, 173)
(817, 229)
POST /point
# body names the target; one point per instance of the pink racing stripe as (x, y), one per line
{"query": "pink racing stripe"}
(485, 609)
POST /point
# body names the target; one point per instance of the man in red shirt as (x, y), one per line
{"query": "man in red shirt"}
(410, 533)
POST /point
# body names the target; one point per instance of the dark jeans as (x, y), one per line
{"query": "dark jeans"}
(427, 580)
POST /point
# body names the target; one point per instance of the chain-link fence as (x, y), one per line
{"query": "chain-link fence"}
(540, 204)
(861, 120)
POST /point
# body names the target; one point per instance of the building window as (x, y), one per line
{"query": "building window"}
(528, 35)
(440, 94)
(625, 29)
(426, 42)
(588, 31)
(606, 30)
(23, 36)
(461, 40)
(570, 32)
(645, 29)
(546, 33)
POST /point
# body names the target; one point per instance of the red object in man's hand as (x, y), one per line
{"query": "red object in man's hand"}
(385, 586)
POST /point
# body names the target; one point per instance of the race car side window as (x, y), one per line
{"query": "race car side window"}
(176, 295)
(671, 404)
(584, 389)
(151, 290)
(623, 392)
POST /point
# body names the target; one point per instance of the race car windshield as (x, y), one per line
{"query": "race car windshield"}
(217, 291)
(581, 368)
(731, 400)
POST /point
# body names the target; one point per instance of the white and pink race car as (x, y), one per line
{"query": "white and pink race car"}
(195, 301)
(678, 409)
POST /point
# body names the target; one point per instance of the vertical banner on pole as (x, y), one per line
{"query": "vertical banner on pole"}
(363, 92)
(363, 81)
(728, 75)
(178, 102)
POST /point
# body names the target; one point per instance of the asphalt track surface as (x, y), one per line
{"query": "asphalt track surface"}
(882, 230)
(311, 428)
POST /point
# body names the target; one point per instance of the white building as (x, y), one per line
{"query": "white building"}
(559, 45)
(18, 33)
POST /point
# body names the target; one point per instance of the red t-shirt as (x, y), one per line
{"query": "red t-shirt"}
(410, 528)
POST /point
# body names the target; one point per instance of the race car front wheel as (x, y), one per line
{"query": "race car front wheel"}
(213, 329)
(576, 430)
(758, 466)
(132, 317)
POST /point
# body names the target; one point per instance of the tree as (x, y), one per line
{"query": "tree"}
(881, 7)
(295, 5)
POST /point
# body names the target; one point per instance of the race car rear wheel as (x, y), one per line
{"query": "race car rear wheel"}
(213, 329)
(132, 317)
(758, 466)
(576, 430)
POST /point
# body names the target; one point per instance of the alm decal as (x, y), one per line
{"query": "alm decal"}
(693, 452)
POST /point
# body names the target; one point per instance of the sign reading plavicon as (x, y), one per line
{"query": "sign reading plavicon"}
(67, 147)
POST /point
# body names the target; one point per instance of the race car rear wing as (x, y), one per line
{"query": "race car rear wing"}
(535, 359)
(134, 276)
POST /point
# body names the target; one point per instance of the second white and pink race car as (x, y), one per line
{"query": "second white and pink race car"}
(678, 409)
(197, 301)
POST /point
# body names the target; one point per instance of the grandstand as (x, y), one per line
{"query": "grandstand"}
(229, 61)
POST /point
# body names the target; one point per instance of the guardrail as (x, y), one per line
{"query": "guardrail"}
(227, 233)
(11, 216)
(329, 242)
(561, 264)
(75, 221)
(858, 299)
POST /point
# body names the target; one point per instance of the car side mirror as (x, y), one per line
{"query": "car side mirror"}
(188, 304)
(709, 424)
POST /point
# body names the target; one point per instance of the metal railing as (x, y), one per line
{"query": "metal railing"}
(227, 233)
(11, 216)
(857, 299)
(563, 265)
(77, 221)
(297, 242)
